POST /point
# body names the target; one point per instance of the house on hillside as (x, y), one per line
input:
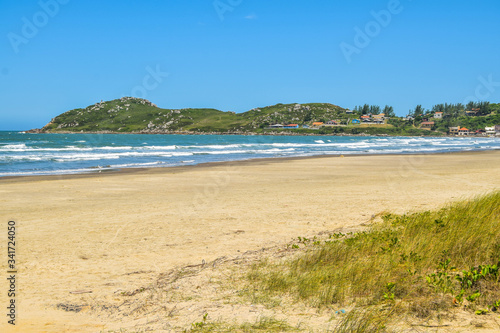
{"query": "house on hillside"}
(332, 122)
(379, 118)
(366, 118)
(356, 121)
(427, 125)
(348, 111)
(463, 131)
(472, 113)
(291, 126)
(317, 124)
(438, 115)
(453, 130)
(276, 126)
(305, 126)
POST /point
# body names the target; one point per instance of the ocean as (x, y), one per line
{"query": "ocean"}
(24, 154)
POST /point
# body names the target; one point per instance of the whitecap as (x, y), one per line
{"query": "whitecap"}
(15, 146)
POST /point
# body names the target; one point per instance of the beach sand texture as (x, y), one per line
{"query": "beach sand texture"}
(114, 232)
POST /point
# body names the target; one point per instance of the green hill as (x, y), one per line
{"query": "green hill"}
(129, 114)
(136, 115)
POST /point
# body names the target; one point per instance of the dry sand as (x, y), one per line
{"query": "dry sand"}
(115, 232)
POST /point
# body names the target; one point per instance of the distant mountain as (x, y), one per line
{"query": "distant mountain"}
(136, 115)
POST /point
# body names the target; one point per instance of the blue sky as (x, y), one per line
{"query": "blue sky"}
(235, 55)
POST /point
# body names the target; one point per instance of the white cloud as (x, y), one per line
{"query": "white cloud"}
(251, 17)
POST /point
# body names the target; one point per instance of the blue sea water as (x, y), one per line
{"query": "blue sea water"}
(43, 154)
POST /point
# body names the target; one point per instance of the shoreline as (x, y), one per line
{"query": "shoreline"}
(207, 165)
(282, 133)
(36, 131)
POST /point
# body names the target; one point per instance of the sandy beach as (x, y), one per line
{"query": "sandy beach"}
(86, 238)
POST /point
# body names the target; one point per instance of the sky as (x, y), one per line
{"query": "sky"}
(235, 55)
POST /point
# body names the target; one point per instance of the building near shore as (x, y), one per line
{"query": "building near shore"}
(453, 130)
(480, 132)
(490, 130)
(427, 125)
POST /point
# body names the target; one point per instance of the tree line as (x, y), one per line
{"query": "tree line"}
(375, 109)
(455, 110)
(448, 109)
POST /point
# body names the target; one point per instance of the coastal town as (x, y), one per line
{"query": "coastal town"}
(428, 122)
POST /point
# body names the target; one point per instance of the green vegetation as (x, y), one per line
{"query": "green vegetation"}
(138, 115)
(472, 123)
(422, 269)
(421, 265)
(473, 116)
(375, 109)
(135, 115)
(363, 129)
(264, 324)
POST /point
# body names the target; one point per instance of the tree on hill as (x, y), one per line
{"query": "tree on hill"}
(418, 111)
(438, 108)
(374, 109)
(389, 111)
(482, 108)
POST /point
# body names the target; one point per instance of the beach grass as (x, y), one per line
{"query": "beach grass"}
(421, 264)
(264, 324)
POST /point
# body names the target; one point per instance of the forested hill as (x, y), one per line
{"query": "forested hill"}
(129, 114)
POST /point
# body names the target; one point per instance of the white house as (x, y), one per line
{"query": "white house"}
(490, 130)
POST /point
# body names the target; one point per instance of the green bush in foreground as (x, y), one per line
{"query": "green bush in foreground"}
(425, 262)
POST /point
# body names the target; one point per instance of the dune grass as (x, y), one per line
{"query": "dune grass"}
(264, 324)
(422, 264)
